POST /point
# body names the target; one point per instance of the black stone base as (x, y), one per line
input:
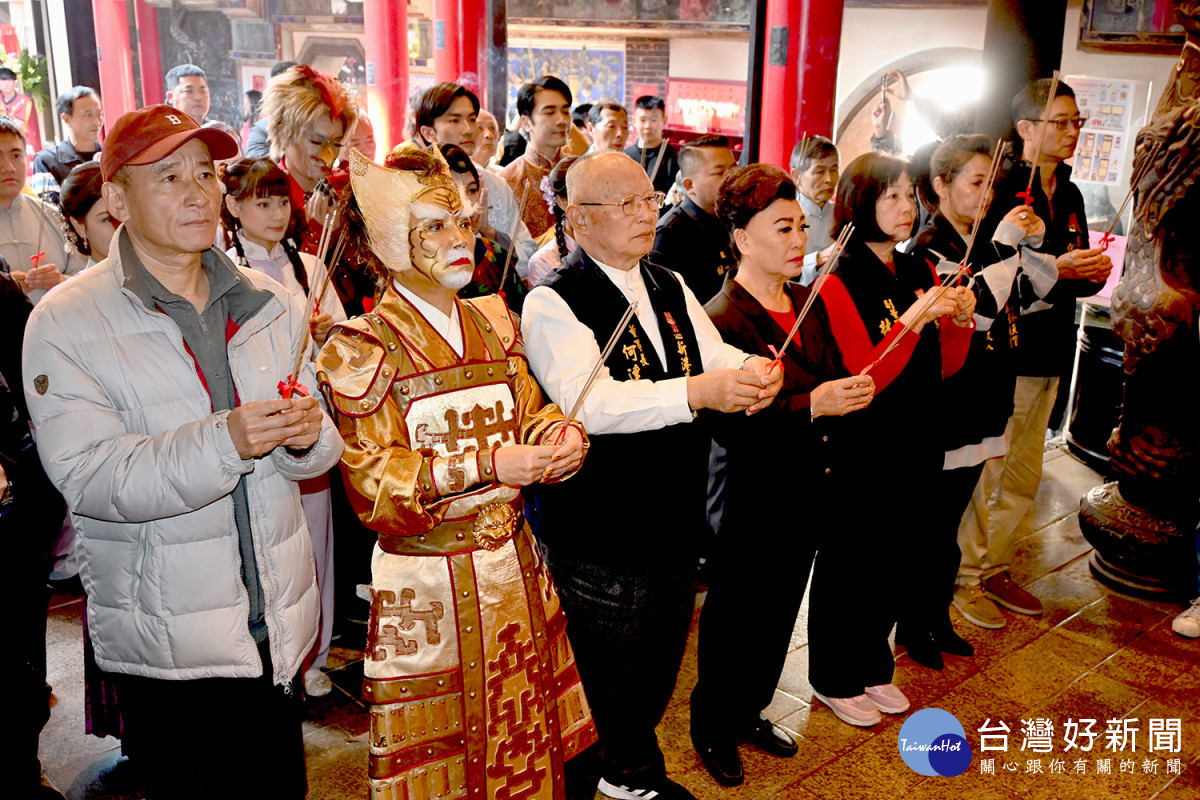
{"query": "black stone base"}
(1137, 552)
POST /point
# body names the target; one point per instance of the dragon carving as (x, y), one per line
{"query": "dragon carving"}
(1156, 448)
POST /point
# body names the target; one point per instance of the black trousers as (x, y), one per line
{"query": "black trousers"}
(628, 627)
(930, 567)
(28, 558)
(756, 585)
(217, 738)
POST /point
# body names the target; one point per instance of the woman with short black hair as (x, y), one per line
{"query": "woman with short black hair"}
(877, 297)
(778, 461)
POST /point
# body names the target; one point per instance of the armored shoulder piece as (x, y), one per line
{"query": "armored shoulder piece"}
(494, 312)
(351, 368)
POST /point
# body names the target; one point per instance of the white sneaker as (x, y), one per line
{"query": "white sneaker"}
(317, 683)
(1188, 623)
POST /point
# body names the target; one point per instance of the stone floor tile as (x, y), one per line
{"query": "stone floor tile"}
(1050, 548)
(1153, 662)
(1111, 622)
(872, 770)
(1036, 672)
(1063, 595)
(1092, 696)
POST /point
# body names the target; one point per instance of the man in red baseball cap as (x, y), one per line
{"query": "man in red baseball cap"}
(153, 382)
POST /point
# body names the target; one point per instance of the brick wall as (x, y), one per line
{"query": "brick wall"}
(646, 61)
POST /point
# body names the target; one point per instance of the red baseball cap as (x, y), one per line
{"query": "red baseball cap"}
(150, 134)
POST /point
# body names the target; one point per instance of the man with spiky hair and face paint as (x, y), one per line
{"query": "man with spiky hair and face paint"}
(469, 673)
(309, 115)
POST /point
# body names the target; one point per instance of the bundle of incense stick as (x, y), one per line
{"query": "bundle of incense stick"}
(314, 298)
(834, 254)
(1037, 151)
(39, 255)
(993, 170)
(946, 285)
(1133, 185)
(604, 354)
(512, 239)
(327, 222)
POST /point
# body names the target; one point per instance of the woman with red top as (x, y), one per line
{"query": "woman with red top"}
(779, 459)
(870, 567)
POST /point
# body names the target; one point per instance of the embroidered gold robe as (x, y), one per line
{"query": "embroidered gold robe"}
(471, 679)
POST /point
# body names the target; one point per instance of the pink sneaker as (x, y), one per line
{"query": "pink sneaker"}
(859, 711)
(887, 698)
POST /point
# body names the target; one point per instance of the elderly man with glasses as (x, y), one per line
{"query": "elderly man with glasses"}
(620, 536)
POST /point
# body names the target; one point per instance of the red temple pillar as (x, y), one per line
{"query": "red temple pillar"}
(446, 45)
(472, 15)
(799, 74)
(149, 55)
(113, 59)
(386, 26)
(820, 48)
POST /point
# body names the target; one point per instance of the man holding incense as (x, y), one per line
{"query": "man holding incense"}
(469, 674)
(621, 536)
(32, 241)
(152, 379)
(1048, 130)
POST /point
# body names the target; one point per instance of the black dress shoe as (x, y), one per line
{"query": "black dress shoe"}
(770, 738)
(950, 642)
(922, 649)
(722, 760)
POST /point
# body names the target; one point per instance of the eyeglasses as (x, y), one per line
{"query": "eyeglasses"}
(1063, 124)
(630, 205)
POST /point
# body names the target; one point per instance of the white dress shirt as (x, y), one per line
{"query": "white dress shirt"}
(562, 352)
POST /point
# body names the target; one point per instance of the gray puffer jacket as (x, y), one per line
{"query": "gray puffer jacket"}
(126, 430)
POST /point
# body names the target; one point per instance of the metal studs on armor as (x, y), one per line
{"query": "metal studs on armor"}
(392, 346)
(421, 538)
(470, 374)
(438, 380)
(460, 536)
(365, 404)
(403, 390)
